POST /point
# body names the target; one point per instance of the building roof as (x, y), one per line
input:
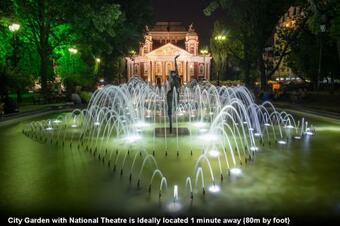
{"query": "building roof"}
(169, 49)
(168, 27)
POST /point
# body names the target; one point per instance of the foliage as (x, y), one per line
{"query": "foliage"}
(304, 56)
(218, 47)
(105, 29)
(252, 22)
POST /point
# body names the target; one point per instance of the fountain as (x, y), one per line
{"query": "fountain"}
(125, 128)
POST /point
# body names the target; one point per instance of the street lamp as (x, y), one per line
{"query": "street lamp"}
(204, 52)
(220, 39)
(73, 50)
(322, 30)
(14, 27)
(132, 54)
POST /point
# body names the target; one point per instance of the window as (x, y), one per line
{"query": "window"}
(146, 69)
(201, 71)
(192, 49)
(191, 70)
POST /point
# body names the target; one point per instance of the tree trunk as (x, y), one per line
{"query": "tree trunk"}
(43, 46)
(263, 75)
(19, 99)
(338, 47)
(247, 75)
(107, 69)
(43, 72)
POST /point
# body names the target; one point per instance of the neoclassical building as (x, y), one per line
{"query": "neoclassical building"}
(156, 55)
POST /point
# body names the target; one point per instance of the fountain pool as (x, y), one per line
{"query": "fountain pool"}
(83, 169)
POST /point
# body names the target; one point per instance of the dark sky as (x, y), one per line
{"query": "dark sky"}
(186, 11)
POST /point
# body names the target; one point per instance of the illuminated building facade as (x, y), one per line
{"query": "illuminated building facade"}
(162, 43)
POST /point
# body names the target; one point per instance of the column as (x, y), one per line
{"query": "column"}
(208, 72)
(128, 69)
(187, 71)
(163, 72)
(184, 65)
(150, 71)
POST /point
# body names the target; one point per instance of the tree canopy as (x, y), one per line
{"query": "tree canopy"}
(103, 29)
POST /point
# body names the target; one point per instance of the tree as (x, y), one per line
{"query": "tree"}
(326, 12)
(219, 52)
(252, 22)
(120, 68)
(105, 29)
(116, 27)
(304, 57)
(40, 21)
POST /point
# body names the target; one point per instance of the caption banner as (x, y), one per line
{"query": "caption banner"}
(151, 220)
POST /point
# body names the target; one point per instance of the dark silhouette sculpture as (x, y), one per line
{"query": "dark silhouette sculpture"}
(174, 81)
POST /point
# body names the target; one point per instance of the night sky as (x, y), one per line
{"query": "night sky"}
(186, 11)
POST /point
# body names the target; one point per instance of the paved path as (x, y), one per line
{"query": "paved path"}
(315, 110)
(32, 111)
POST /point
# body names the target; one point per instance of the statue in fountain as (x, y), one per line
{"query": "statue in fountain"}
(174, 81)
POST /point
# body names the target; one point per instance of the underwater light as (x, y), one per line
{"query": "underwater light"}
(174, 207)
(210, 137)
(282, 142)
(214, 153)
(56, 121)
(97, 123)
(235, 172)
(290, 127)
(214, 188)
(49, 128)
(251, 129)
(74, 126)
(199, 124)
(267, 124)
(309, 132)
(203, 130)
(297, 137)
(211, 113)
(254, 148)
(257, 134)
(133, 138)
(141, 124)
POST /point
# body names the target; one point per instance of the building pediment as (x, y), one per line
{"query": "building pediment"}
(169, 50)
